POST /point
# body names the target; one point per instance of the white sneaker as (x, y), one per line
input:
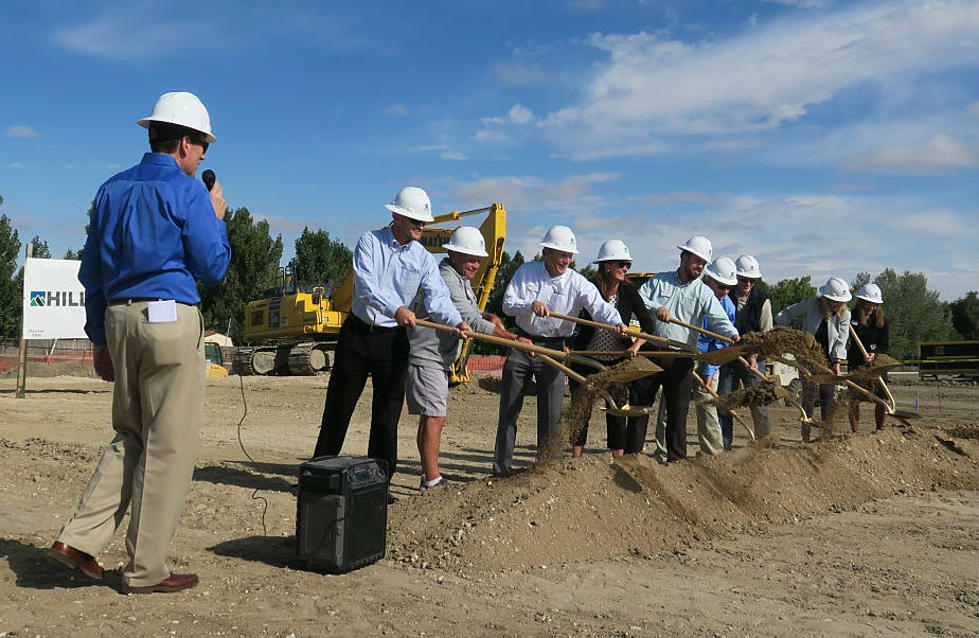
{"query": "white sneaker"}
(440, 483)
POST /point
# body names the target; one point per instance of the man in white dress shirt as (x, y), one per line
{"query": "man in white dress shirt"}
(537, 289)
(390, 266)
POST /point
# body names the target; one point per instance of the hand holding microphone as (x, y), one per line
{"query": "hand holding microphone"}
(217, 193)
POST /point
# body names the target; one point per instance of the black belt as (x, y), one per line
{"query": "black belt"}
(358, 324)
(523, 333)
(131, 300)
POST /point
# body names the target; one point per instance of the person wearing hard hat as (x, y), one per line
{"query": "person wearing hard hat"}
(537, 289)
(154, 231)
(433, 352)
(614, 261)
(754, 314)
(681, 295)
(826, 318)
(390, 267)
(867, 324)
(720, 276)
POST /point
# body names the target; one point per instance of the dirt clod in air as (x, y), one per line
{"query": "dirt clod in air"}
(750, 396)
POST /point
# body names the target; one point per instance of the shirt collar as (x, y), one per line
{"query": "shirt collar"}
(160, 159)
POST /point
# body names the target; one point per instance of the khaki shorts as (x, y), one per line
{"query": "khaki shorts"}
(427, 391)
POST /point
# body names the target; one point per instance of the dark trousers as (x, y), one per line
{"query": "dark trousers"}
(677, 381)
(361, 351)
(616, 427)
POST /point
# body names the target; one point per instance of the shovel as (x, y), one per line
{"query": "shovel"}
(730, 353)
(891, 407)
(735, 415)
(632, 332)
(641, 368)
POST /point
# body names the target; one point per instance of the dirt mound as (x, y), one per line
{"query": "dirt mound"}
(587, 509)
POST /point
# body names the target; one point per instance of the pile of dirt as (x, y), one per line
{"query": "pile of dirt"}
(610, 381)
(587, 509)
(750, 396)
(782, 340)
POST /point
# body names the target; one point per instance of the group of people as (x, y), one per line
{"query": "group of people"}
(155, 230)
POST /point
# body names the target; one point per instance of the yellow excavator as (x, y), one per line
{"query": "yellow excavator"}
(293, 329)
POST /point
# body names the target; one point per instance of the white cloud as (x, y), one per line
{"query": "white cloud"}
(534, 193)
(22, 131)
(626, 150)
(939, 153)
(457, 156)
(763, 78)
(936, 222)
(802, 4)
(123, 35)
(519, 73)
(681, 198)
(520, 114)
(398, 110)
(491, 135)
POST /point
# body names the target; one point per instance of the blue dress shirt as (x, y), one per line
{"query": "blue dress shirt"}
(388, 275)
(708, 344)
(152, 233)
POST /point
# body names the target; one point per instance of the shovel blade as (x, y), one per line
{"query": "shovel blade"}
(627, 411)
(632, 369)
(722, 356)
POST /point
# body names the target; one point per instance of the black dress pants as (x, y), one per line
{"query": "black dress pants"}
(677, 381)
(381, 353)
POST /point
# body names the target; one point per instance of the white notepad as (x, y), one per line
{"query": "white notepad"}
(161, 311)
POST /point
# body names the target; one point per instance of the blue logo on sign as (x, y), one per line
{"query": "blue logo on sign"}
(38, 298)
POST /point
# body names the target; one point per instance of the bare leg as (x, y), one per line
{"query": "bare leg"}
(429, 440)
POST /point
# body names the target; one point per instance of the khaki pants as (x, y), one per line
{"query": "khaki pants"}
(157, 409)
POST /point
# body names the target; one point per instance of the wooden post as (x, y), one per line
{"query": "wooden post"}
(22, 365)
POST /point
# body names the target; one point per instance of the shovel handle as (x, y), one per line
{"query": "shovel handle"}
(701, 330)
(893, 404)
(500, 341)
(605, 326)
(734, 415)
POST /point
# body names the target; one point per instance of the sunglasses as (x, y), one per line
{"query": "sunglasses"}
(622, 264)
(202, 143)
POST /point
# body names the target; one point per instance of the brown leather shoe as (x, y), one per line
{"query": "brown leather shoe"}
(175, 582)
(75, 559)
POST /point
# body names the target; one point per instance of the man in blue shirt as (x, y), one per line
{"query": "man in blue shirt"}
(715, 430)
(154, 231)
(390, 266)
(682, 295)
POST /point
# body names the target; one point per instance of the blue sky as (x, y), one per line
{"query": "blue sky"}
(824, 137)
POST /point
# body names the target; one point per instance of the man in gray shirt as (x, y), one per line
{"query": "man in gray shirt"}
(432, 352)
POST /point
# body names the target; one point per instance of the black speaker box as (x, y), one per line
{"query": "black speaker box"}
(341, 513)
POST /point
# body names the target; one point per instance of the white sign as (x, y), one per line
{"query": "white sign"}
(54, 300)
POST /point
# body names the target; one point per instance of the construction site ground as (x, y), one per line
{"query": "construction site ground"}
(875, 534)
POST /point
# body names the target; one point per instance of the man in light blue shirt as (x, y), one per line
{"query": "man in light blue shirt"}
(680, 294)
(390, 267)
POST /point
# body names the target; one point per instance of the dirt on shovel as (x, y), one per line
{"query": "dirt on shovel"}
(750, 396)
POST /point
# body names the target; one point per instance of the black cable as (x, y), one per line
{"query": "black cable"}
(244, 404)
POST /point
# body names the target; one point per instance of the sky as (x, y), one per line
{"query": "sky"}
(825, 137)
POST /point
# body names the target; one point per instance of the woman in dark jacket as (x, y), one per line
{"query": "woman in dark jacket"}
(868, 324)
(613, 262)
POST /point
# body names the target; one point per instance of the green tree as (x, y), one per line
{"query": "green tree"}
(508, 266)
(913, 312)
(10, 289)
(789, 291)
(320, 259)
(254, 267)
(965, 315)
(858, 281)
(71, 253)
(41, 249)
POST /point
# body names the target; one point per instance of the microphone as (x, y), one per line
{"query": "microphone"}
(209, 178)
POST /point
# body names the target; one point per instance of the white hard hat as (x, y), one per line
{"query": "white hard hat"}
(698, 245)
(871, 293)
(412, 202)
(560, 238)
(468, 241)
(748, 267)
(184, 109)
(613, 250)
(836, 289)
(723, 271)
